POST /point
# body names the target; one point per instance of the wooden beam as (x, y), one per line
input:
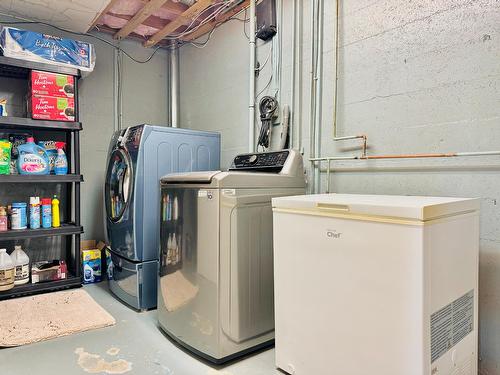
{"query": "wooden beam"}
(133, 36)
(209, 26)
(197, 7)
(151, 7)
(151, 21)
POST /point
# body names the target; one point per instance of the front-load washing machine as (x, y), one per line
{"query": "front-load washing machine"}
(138, 157)
(216, 263)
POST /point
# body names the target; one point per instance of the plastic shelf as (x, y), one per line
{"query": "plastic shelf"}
(24, 122)
(16, 68)
(48, 286)
(20, 234)
(48, 178)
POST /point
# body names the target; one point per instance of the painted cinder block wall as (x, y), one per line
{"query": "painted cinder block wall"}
(414, 76)
(144, 97)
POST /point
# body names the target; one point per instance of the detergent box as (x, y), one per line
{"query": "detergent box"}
(51, 84)
(32, 46)
(51, 108)
(91, 261)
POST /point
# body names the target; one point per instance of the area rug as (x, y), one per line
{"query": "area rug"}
(45, 316)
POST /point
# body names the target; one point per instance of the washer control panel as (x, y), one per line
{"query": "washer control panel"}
(272, 162)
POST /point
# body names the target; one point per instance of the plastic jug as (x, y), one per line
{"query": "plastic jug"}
(22, 266)
(6, 271)
(32, 159)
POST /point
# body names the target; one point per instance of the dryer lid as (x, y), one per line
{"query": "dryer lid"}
(189, 177)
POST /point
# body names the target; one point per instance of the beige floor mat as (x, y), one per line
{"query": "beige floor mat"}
(45, 316)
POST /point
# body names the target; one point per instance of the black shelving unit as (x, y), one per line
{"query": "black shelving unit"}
(23, 122)
(69, 131)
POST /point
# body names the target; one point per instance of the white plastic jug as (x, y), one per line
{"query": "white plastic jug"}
(6, 271)
(22, 266)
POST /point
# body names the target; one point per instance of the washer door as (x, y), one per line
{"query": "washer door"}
(118, 187)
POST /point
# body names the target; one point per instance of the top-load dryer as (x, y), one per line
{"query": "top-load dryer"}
(216, 264)
(138, 157)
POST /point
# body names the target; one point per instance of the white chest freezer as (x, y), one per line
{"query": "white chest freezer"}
(376, 285)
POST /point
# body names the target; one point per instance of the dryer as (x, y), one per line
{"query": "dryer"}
(216, 264)
(138, 157)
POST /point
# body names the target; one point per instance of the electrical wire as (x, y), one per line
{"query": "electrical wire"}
(204, 43)
(267, 58)
(267, 108)
(222, 5)
(81, 34)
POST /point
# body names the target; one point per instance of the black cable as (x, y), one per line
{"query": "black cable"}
(84, 34)
(267, 107)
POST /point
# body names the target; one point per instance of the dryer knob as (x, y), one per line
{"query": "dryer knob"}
(252, 159)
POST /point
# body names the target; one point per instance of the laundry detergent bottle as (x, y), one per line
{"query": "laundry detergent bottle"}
(61, 162)
(32, 159)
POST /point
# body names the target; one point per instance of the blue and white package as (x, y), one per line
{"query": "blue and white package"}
(44, 48)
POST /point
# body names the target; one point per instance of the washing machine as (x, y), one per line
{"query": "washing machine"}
(216, 293)
(138, 157)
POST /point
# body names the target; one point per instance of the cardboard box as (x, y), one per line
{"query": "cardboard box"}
(48, 271)
(52, 84)
(91, 251)
(51, 108)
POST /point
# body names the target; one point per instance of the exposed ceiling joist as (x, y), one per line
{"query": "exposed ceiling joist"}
(212, 24)
(148, 9)
(199, 6)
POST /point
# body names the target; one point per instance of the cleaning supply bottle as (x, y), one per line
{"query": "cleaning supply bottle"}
(56, 222)
(22, 266)
(19, 218)
(46, 213)
(5, 154)
(6, 271)
(32, 159)
(3, 219)
(34, 212)
(61, 163)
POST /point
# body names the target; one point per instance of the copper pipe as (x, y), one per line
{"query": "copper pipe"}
(409, 156)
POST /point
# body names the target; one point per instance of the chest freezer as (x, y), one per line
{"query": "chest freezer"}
(379, 285)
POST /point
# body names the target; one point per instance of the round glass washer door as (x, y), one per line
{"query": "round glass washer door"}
(118, 184)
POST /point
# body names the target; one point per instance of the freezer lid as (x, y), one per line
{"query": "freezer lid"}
(189, 177)
(405, 207)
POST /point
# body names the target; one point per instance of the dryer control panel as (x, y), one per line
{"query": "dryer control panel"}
(271, 162)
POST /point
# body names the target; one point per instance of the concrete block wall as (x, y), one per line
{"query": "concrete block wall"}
(415, 77)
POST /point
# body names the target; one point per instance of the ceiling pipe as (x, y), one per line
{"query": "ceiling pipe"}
(318, 113)
(174, 88)
(251, 91)
(313, 98)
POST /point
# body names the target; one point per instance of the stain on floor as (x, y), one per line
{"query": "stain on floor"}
(95, 364)
(113, 351)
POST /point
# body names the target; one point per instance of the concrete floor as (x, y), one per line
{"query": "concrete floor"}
(139, 340)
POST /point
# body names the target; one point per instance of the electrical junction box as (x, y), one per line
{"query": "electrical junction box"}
(266, 19)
